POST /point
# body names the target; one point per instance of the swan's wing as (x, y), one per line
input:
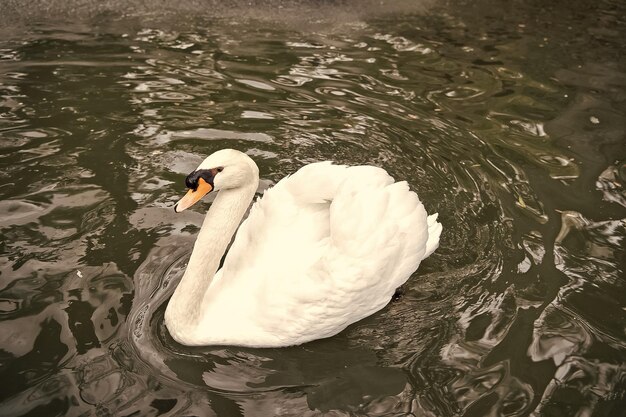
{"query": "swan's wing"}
(324, 248)
(379, 232)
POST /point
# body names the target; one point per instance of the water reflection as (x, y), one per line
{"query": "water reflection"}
(72, 320)
(516, 144)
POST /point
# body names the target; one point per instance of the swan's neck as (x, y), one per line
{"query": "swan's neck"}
(184, 309)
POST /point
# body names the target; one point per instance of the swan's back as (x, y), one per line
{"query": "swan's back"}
(320, 250)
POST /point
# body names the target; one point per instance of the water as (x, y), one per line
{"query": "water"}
(507, 119)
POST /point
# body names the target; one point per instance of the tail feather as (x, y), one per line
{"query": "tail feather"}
(434, 232)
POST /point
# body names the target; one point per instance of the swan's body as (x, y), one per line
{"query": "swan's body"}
(320, 250)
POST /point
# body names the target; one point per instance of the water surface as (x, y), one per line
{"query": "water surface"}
(507, 119)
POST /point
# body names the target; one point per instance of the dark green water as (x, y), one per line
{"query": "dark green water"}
(506, 118)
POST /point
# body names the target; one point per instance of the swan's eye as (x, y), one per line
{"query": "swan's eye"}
(220, 169)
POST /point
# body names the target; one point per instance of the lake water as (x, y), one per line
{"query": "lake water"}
(507, 118)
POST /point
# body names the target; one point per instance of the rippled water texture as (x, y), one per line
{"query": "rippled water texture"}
(507, 119)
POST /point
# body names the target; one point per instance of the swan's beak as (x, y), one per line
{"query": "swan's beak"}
(193, 196)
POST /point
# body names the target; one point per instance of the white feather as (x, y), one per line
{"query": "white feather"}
(320, 250)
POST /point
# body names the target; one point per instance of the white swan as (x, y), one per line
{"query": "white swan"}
(319, 251)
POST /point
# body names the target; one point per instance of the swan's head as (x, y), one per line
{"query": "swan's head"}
(222, 170)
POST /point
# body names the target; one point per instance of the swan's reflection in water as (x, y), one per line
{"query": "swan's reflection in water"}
(369, 369)
(323, 375)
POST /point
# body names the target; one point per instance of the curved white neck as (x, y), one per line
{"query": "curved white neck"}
(184, 309)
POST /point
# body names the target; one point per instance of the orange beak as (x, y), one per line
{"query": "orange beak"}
(193, 196)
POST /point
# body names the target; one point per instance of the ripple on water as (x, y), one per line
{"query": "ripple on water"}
(516, 145)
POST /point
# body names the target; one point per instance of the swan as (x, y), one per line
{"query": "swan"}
(322, 249)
